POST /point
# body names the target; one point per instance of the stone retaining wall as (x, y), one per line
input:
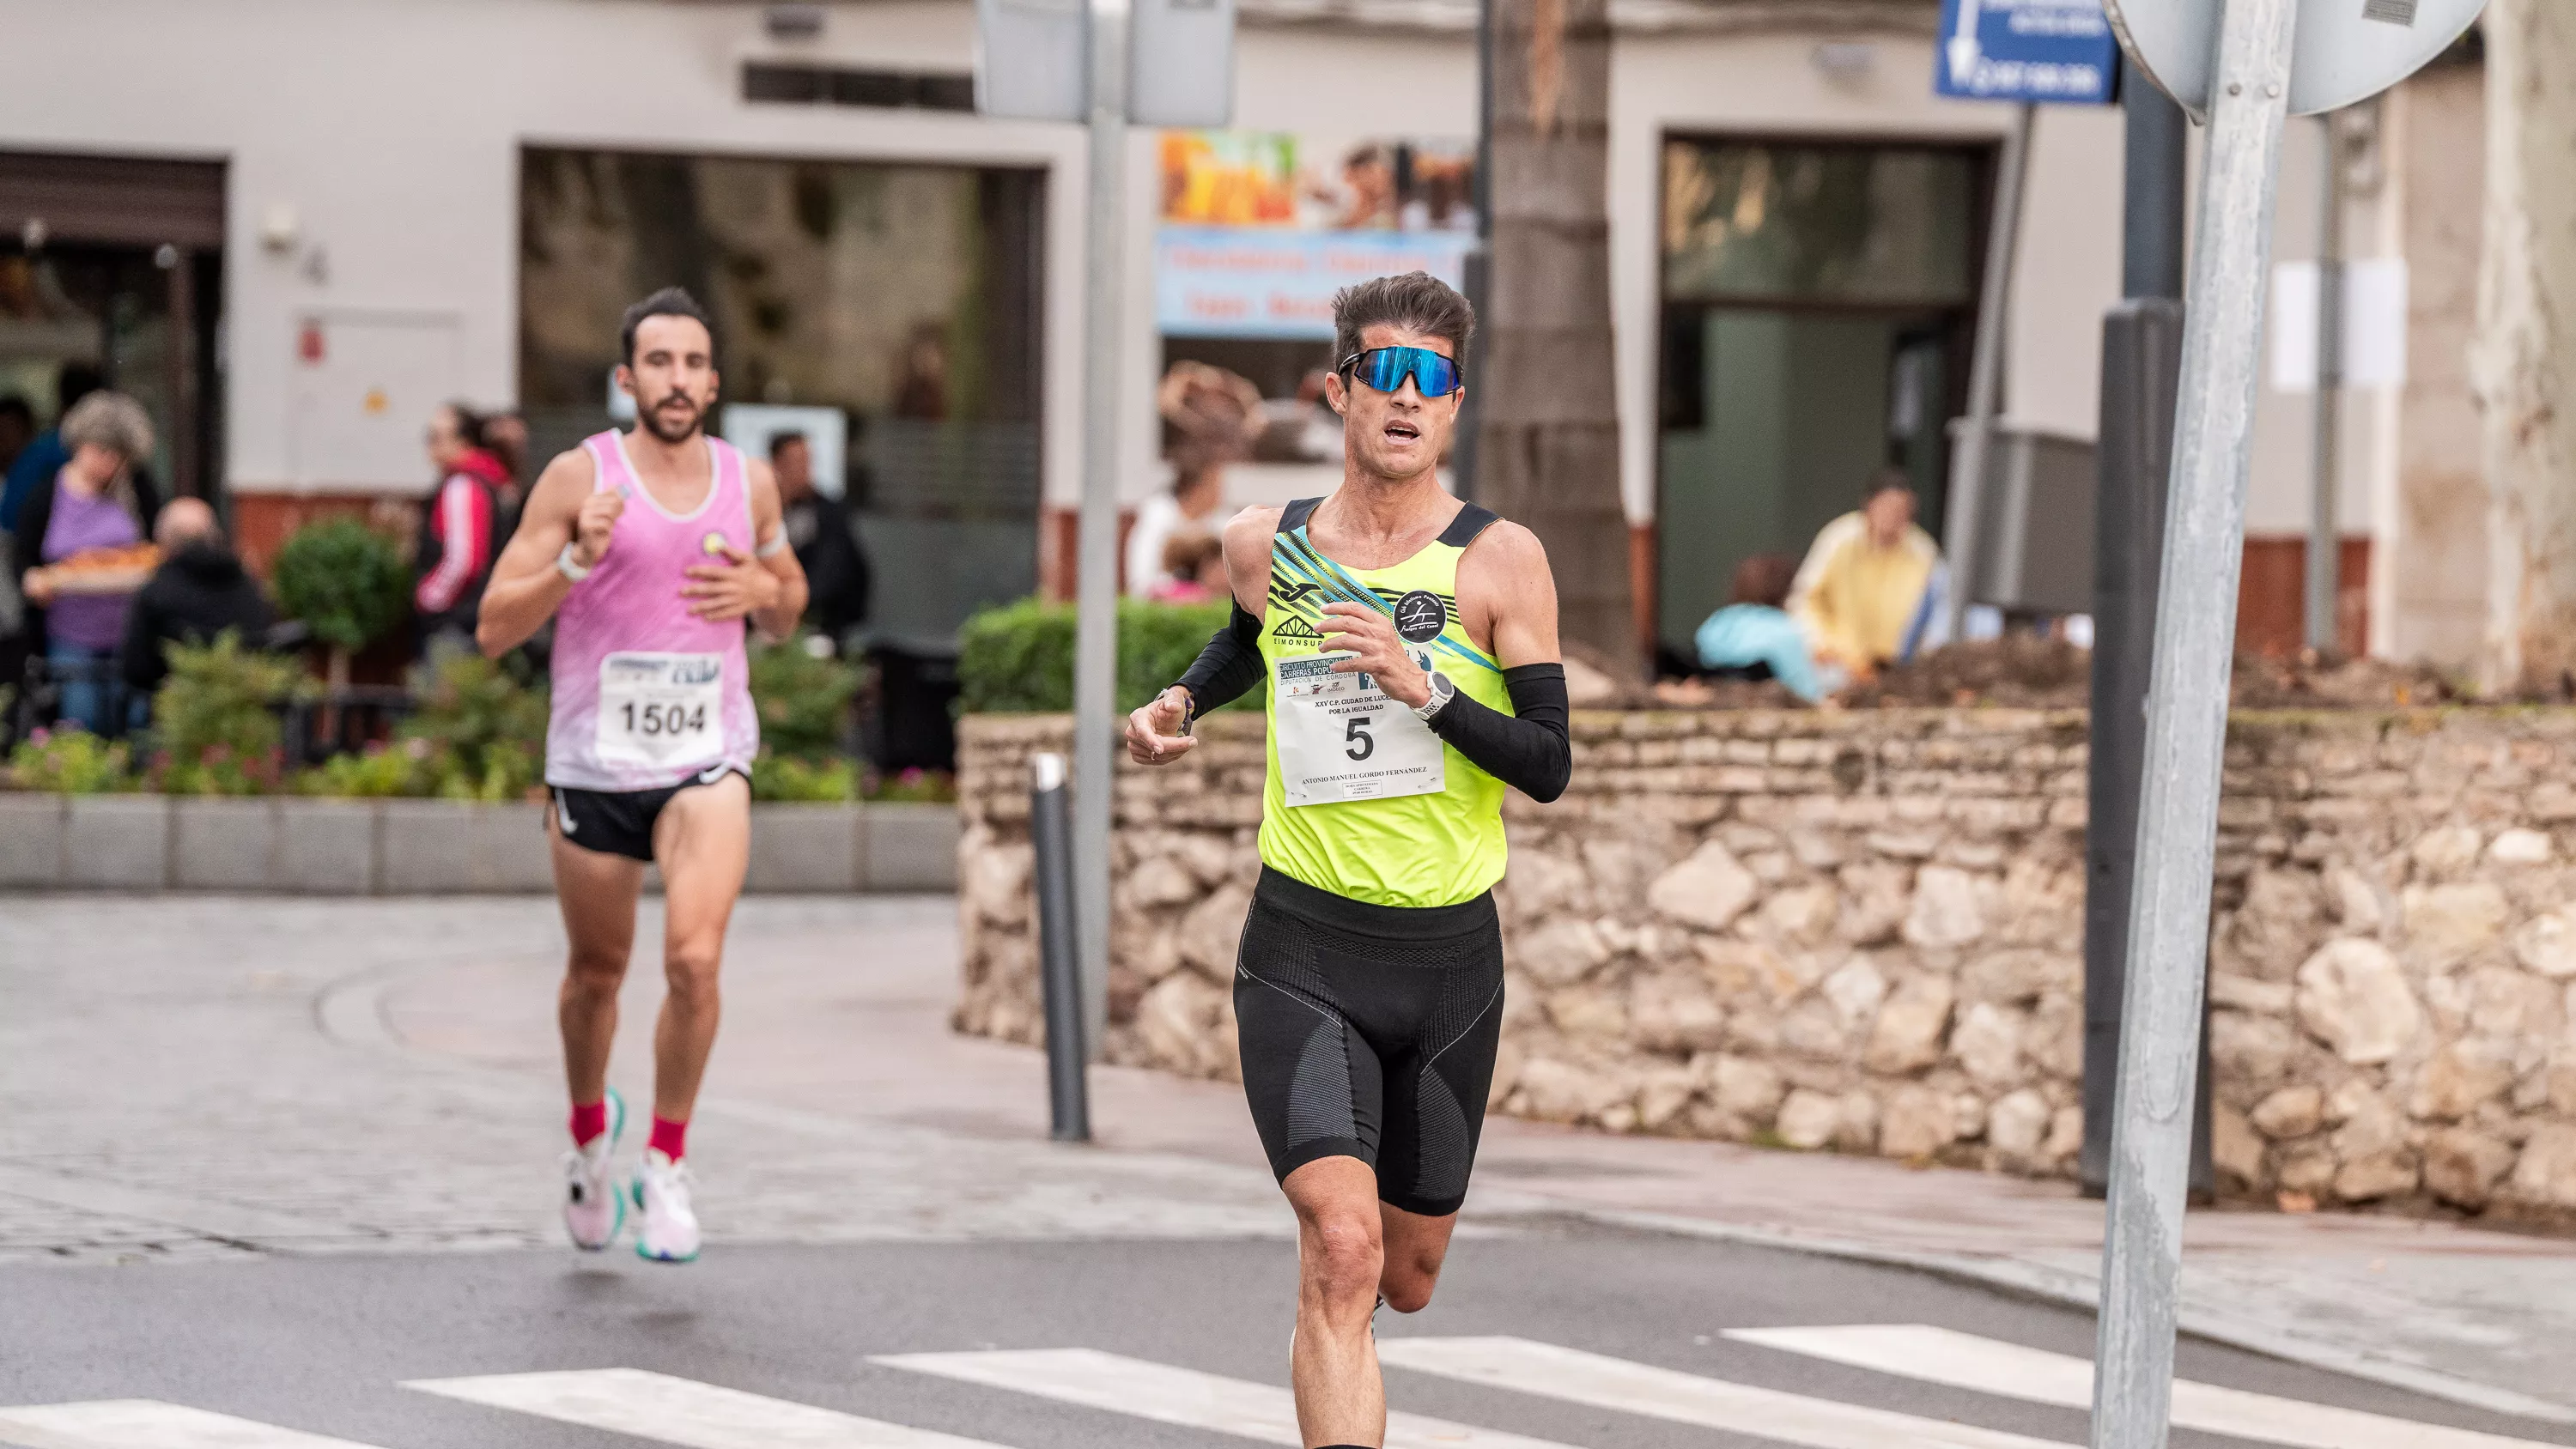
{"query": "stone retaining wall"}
(1862, 930)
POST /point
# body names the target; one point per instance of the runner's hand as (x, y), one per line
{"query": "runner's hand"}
(591, 528)
(1376, 649)
(1154, 731)
(729, 590)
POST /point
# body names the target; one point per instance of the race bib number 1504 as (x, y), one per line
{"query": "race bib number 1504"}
(661, 709)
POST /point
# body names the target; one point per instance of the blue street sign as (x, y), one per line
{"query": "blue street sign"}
(2058, 51)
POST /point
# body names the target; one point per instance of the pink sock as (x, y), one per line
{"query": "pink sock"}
(589, 1119)
(670, 1138)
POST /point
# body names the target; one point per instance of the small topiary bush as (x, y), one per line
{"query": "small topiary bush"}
(1018, 658)
(216, 720)
(349, 584)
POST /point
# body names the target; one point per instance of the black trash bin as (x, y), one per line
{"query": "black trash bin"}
(914, 724)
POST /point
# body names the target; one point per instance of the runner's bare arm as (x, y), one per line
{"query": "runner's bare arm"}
(1507, 595)
(1505, 586)
(1230, 664)
(526, 588)
(769, 590)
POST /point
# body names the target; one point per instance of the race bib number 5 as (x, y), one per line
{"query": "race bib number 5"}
(1341, 738)
(663, 710)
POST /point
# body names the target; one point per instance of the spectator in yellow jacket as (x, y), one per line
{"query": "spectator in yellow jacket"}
(1862, 591)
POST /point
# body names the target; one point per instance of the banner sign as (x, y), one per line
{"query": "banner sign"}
(1216, 281)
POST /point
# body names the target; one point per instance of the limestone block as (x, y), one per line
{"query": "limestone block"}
(2382, 1174)
(1875, 895)
(1855, 991)
(1816, 849)
(1662, 1094)
(1987, 1044)
(1945, 911)
(2511, 1004)
(2245, 993)
(1809, 1120)
(2445, 923)
(2065, 1134)
(1908, 1034)
(1160, 880)
(2293, 1111)
(1672, 1012)
(1918, 1121)
(1509, 1055)
(1813, 1029)
(2518, 846)
(2455, 1079)
(1543, 883)
(2546, 1176)
(1803, 915)
(2354, 998)
(1208, 858)
(996, 879)
(1856, 1129)
(2278, 922)
(2445, 851)
(2547, 943)
(2308, 1172)
(2356, 902)
(2371, 1126)
(1212, 930)
(1707, 889)
(2018, 976)
(2250, 1051)
(1554, 1090)
(1177, 1021)
(1563, 951)
(2017, 1125)
(1740, 1086)
(2234, 1147)
(2462, 1167)
(1589, 1011)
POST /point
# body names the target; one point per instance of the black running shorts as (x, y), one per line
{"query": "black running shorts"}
(1369, 1031)
(621, 822)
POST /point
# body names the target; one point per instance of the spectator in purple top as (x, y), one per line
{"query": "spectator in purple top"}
(100, 499)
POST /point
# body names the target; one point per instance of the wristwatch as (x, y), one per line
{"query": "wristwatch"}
(569, 566)
(1442, 691)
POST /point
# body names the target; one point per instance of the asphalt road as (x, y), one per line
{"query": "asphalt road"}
(325, 1344)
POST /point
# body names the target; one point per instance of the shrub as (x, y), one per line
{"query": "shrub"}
(215, 721)
(915, 786)
(803, 700)
(349, 584)
(1018, 658)
(795, 778)
(383, 772)
(479, 732)
(71, 762)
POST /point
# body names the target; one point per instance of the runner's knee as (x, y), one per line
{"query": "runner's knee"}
(1344, 1257)
(595, 969)
(691, 967)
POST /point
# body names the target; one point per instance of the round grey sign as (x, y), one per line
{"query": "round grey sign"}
(2344, 50)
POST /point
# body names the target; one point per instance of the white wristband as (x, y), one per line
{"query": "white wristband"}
(569, 566)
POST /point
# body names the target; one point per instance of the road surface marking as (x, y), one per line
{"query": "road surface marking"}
(684, 1411)
(1963, 1360)
(148, 1424)
(1635, 1388)
(1182, 1396)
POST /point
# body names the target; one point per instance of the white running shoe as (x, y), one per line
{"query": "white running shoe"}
(666, 1229)
(593, 1207)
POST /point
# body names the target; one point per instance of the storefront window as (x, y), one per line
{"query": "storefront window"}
(1757, 221)
(903, 299)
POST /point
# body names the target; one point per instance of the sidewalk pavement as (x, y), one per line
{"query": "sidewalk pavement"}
(381, 1075)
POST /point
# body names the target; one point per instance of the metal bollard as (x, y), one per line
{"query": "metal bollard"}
(1059, 970)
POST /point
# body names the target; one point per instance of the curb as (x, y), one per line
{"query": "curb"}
(325, 847)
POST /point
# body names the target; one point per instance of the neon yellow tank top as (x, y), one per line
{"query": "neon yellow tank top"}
(1361, 798)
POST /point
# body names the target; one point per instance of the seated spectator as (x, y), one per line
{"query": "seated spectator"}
(1753, 637)
(1193, 570)
(198, 592)
(1861, 594)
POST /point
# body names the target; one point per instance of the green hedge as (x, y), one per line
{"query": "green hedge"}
(1018, 658)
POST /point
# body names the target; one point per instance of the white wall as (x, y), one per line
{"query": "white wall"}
(392, 127)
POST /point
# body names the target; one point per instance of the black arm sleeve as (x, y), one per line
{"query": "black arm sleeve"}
(1228, 667)
(1527, 749)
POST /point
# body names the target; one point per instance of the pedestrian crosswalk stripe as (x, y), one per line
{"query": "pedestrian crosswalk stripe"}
(1635, 1388)
(148, 1424)
(1964, 1360)
(1181, 1396)
(684, 1411)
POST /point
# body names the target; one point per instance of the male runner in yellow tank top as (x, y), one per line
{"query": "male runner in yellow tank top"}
(1406, 646)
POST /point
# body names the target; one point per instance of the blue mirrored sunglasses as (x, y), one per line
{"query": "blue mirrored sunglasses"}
(1385, 369)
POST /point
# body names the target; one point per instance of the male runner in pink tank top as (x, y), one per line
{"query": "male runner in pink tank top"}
(649, 549)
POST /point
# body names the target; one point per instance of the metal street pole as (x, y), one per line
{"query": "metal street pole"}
(2325, 540)
(1095, 672)
(2187, 726)
(1480, 257)
(1985, 375)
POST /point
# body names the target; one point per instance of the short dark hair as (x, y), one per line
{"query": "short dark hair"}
(668, 302)
(75, 381)
(1765, 578)
(469, 423)
(1415, 301)
(15, 406)
(1887, 480)
(778, 442)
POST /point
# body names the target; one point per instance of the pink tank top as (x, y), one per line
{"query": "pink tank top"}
(646, 694)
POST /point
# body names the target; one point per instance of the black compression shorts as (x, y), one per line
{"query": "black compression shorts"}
(621, 822)
(1369, 1031)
